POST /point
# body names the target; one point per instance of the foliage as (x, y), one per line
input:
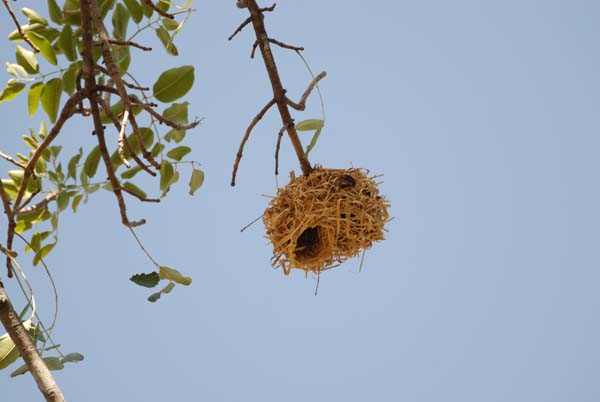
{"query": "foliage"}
(72, 67)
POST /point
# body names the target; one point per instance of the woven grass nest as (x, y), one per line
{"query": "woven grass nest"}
(318, 221)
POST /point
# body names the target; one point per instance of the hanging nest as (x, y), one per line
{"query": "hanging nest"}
(318, 221)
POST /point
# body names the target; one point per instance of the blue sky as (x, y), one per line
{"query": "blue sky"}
(483, 117)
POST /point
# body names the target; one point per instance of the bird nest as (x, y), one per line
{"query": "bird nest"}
(318, 221)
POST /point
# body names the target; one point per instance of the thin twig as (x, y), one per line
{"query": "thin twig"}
(279, 137)
(284, 45)
(19, 28)
(125, 43)
(246, 136)
(117, 125)
(139, 242)
(162, 13)
(12, 160)
(39, 206)
(11, 227)
(251, 223)
(127, 84)
(254, 46)
(140, 197)
(121, 140)
(239, 29)
(302, 104)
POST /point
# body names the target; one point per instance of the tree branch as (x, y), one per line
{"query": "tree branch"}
(12, 160)
(278, 91)
(36, 207)
(240, 151)
(162, 13)
(91, 93)
(19, 28)
(20, 336)
(302, 104)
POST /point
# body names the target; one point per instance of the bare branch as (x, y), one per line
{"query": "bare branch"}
(284, 45)
(19, 28)
(302, 104)
(278, 91)
(254, 46)
(246, 136)
(239, 29)
(277, 146)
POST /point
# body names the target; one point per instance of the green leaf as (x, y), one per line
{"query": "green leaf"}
(177, 113)
(27, 60)
(163, 5)
(53, 363)
(157, 149)
(62, 201)
(179, 152)
(196, 180)
(76, 200)
(148, 11)
(44, 45)
(174, 83)
(146, 280)
(120, 19)
(310, 125)
(167, 289)
(55, 12)
(169, 24)
(90, 166)
(72, 166)
(72, 358)
(44, 251)
(66, 44)
(51, 94)
(134, 189)
(166, 175)
(33, 97)
(313, 141)
(175, 135)
(11, 91)
(72, 12)
(166, 40)
(129, 173)
(135, 9)
(8, 351)
(16, 70)
(33, 17)
(122, 56)
(174, 275)
(69, 78)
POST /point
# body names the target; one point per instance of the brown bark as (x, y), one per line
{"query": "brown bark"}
(20, 336)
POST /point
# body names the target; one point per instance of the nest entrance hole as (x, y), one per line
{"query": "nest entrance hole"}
(308, 244)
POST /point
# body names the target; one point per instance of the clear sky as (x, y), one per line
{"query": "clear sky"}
(483, 117)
